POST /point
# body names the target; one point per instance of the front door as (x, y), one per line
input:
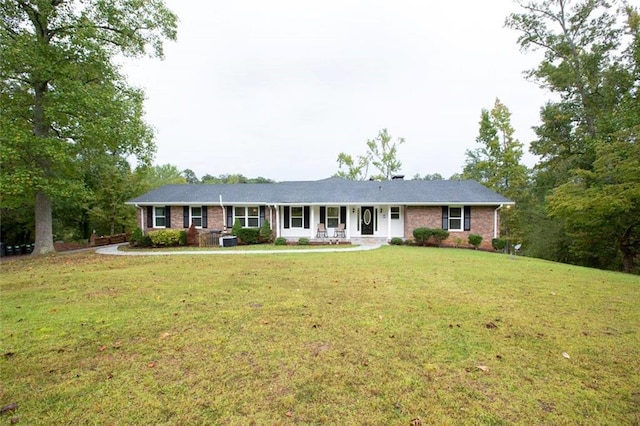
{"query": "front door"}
(367, 220)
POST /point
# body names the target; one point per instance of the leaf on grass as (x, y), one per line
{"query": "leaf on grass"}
(9, 407)
(102, 348)
(151, 364)
(566, 355)
(165, 336)
(117, 344)
(483, 368)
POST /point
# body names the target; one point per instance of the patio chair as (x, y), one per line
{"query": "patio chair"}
(339, 231)
(322, 231)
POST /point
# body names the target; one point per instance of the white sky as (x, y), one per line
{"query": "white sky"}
(278, 89)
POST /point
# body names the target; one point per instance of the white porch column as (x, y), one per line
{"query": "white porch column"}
(277, 220)
(388, 223)
(348, 224)
(312, 224)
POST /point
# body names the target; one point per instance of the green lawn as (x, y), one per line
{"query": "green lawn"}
(366, 338)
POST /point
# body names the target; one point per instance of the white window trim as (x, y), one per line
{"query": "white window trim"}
(301, 217)
(335, 217)
(246, 216)
(461, 219)
(156, 216)
(391, 212)
(192, 216)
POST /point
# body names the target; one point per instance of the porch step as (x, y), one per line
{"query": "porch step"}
(362, 241)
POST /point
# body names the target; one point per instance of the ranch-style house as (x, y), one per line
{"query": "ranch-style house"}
(332, 208)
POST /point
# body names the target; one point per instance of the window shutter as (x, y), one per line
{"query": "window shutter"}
(167, 216)
(286, 217)
(185, 217)
(149, 217)
(229, 216)
(262, 215)
(467, 218)
(323, 215)
(445, 217)
(306, 217)
(343, 215)
(204, 217)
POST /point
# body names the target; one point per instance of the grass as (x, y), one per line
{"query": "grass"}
(249, 247)
(379, 337)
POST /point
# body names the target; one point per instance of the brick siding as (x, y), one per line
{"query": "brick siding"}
(431, 217)
(215, 218)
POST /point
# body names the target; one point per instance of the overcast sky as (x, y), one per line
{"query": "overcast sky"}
(278, 89)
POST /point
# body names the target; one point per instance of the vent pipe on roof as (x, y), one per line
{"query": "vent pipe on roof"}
(397, 177)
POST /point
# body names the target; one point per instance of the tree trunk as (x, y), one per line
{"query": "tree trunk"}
(626, 248)
(44, 228)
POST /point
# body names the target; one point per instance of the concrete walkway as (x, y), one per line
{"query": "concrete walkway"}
(113, 250)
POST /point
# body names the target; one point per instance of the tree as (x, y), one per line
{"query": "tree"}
(433, 176)
(190, 176)
(63, 97)
(496, 163)
(156, 176)
(382, 153)
(591, 51)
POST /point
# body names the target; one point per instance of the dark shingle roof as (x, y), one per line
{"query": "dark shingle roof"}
(327, 191)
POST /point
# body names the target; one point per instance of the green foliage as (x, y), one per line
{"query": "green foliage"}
(303, 241)
(265, 234)
(167, 237)
(396, 241)
(64, 101)
(439, 235)
(382, 153)
(236, 228)
(135, 237)
(280, 241)
(248, 236)
(457, 242)
(475, 240)
(422, 235)
(498, 244)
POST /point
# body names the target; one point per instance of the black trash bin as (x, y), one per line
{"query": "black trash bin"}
(230, 241)
(9, 250)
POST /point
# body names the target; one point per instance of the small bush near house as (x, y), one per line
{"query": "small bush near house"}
(167, 237)
(136, 237)
(396, 241)
(457, 242)
(303, 241)
(475, 240)
(265, 232)
(422, 235)
(280, 241)
(248, 235)
(237, 227)
(439, 235)
(498, 244)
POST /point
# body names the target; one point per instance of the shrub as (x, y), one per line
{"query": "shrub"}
(136, 237)
(265, 232)
(499, 244)
(303, 241)
(248, 235)
(439, 235)
(475, 240)
(237, 227)
(457, 242)
(167, 237)
(145, 241)
(280, 241)
(422, 235)
(396, 241)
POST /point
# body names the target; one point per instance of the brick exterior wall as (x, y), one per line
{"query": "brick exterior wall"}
(215, 218)
(431, 217)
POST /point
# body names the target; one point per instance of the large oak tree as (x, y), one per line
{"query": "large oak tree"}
(64, 101)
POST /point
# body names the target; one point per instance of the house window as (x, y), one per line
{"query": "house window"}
(395, 212)
(159, 217)
(196, 216)
(333, 217)
(455, 218)
(297, 217)
(249, 217)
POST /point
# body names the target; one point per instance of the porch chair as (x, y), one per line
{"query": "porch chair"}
(339, 231)
(322, 231)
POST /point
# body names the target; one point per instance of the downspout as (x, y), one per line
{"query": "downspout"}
(224, 214)
(495, 221)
